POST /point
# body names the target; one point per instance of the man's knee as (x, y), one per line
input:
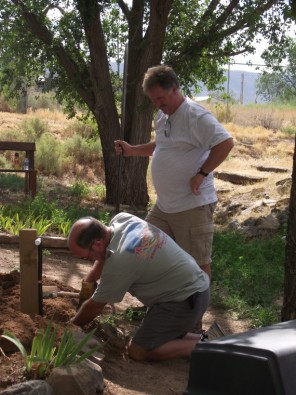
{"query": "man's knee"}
(136, 352)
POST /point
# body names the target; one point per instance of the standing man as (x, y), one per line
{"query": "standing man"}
(189, 144)
(136, 257)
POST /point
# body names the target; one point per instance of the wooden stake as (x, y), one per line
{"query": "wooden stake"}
(29, 272)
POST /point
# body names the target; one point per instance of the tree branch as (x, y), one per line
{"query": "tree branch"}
(52, 7)
(74, 74)
(124, 8)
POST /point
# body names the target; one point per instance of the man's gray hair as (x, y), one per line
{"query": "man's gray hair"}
(163, 76)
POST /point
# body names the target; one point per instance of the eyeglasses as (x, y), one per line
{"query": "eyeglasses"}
(167, 128)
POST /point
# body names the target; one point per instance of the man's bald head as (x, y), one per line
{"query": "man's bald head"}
(84, 231)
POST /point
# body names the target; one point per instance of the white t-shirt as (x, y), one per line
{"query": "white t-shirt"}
(192, 132)
(147, 263)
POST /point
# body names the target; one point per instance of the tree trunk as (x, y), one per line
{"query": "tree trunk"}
(143, 52)
(289, 304)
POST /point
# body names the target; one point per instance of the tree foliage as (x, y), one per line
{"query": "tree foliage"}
(76, 40)
(280, 84)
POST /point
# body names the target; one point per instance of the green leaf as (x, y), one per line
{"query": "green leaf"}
(9, 336)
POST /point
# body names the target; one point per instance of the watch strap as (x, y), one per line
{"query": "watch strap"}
(202, 172)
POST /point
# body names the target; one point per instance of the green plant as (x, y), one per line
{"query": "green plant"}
(34, 128)
(290, 130)
(46, 355)
(48, 155)
(248, 276)
(13, 223)
(43, 100)
(83, 150)
(64, 228)
(80, 189)
(100, 191)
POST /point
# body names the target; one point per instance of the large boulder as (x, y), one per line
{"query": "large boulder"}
(84, 378)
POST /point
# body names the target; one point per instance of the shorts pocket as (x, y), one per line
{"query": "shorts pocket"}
(201, 243)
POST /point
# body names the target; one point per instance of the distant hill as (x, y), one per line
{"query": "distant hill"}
(238, 79)
(242, 87)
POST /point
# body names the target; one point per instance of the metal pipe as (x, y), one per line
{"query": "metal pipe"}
(38, 243)
(121, 137)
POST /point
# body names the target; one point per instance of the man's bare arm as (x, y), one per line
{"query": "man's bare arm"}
(125, 149)
(87, 312)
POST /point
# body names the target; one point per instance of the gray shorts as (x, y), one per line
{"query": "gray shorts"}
(192, 230)
(170, 320)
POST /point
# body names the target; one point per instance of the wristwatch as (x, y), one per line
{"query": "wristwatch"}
(203, 173)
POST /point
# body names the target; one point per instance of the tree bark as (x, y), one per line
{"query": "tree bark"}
(289, 304)
(144, 52)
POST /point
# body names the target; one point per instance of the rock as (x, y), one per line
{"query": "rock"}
(273, 169)
(96, 357)
(268, 223)
(283, 187)
(269, 202)
(33, 387)
(84, 378)
(256, 204)
(240, 179)
(284, 181)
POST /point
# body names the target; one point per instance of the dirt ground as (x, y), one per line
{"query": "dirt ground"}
(122, 376)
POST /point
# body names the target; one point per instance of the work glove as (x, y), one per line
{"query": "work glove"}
(86, 291)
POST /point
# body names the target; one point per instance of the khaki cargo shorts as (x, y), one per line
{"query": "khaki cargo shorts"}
(193, 230)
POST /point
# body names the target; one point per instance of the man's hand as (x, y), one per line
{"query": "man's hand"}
(195, 183)
(87, 312)
(122, 148)
(87, 290)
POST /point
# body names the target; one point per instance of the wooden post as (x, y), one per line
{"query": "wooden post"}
(29, 272)
(33, 182)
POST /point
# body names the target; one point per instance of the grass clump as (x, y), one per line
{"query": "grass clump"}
(248, 276)
(79, 189)
(47, 353)
(45, 215)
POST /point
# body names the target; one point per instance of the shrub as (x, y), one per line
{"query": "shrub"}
(34, 128)
(80, 189)
(82, 150)
(49, 155)
(82, 129)
(43, 100)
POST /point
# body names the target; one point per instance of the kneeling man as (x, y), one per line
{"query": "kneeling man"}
(134, 256)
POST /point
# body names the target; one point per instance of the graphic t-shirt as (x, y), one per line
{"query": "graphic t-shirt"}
(147, 263)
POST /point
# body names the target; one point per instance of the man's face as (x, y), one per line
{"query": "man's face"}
(163, 99)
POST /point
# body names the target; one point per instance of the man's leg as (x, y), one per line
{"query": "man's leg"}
(163, 333)
(157, 218)
(177, 348)
(193, 231)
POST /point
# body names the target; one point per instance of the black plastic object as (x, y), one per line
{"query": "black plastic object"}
(257, 362)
